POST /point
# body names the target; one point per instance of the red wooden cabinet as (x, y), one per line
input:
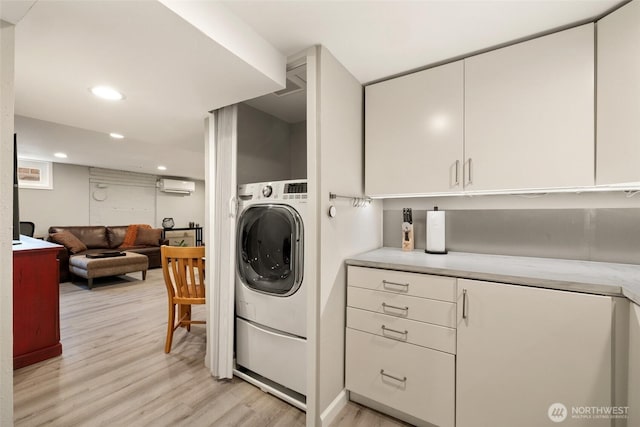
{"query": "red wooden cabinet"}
(36, 302)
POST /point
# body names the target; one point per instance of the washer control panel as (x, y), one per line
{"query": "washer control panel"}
(274, 191)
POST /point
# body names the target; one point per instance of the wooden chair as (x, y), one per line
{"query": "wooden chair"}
(183, 269)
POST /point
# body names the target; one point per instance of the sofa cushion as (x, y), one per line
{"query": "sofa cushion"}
(148, 237)
(69, 241)
(93, 236)
(132, 233)
(115, 234)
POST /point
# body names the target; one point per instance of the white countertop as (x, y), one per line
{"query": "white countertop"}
(600, 278)
(29, 244)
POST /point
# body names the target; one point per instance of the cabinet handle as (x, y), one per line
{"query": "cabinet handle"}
(386, 282)
(469, 177)
(385, 306)
(464, 304)
(395, 331)
(457, 173)
(384, 374)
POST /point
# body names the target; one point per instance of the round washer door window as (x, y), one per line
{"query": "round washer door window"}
(270, 249)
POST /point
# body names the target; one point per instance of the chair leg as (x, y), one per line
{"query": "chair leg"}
(188, 317)
(170, 327)
(184, 316)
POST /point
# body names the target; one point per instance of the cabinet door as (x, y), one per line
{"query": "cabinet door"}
(529, 114)
(618, 150)
(522, 349)
(413, 133)
(634, 366)
(36, 312)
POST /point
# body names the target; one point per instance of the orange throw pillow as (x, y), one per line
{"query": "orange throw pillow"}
(131, 234)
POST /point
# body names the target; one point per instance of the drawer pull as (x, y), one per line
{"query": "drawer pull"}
(405, 334)
(464, 304)
(386, 306)
(386, 282)
(384, 374)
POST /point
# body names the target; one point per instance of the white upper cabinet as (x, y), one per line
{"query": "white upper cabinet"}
(414, 133)
(529, 114)
(618, 93)
(519, 118)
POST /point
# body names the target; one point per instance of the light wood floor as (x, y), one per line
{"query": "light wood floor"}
(113, 370)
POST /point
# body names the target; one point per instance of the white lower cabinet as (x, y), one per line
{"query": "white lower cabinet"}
(415, 380)
(419, 333)
(510, 355)
(522, 349)
(634, 366)
(401, 343)
(443, 351)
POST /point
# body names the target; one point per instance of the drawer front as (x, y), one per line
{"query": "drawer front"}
(413, 284)
(414, 380)
(406, 307)
(403, 330)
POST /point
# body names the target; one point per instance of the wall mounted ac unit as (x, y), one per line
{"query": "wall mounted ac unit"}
(177, 186)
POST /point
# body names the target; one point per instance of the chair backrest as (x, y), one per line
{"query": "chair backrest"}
(27, 228)
(183, 269)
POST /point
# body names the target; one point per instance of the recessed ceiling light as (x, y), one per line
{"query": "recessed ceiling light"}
(106, 92)
(116, 135)
(60, 155)
(162, 168)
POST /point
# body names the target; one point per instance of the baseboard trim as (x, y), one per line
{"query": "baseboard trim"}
(365, 401)
(334, 408)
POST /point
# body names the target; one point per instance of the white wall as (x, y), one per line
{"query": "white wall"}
(66, 204)
(69, 202)
(7, 45)
(299, 150)
(264, 150)
(269, 149)
(353, 230)
(183, 209)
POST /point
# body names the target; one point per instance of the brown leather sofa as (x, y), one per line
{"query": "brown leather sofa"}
(99, 238)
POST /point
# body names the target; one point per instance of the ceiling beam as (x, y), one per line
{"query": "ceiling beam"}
(222, 26)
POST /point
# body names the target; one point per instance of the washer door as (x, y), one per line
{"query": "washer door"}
(270, 249)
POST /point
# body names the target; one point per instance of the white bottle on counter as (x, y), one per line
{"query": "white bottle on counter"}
(436, 232)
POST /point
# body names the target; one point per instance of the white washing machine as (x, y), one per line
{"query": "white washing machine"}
(271, 297)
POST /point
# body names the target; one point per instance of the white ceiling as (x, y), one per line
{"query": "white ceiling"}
(291, 105)
(172, 73)
(378, 39)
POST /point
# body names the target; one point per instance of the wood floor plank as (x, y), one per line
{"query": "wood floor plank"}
(113, 370)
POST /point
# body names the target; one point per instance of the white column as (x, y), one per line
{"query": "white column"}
(7, 45)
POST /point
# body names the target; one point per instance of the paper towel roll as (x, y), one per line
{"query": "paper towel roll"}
(436, 232)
